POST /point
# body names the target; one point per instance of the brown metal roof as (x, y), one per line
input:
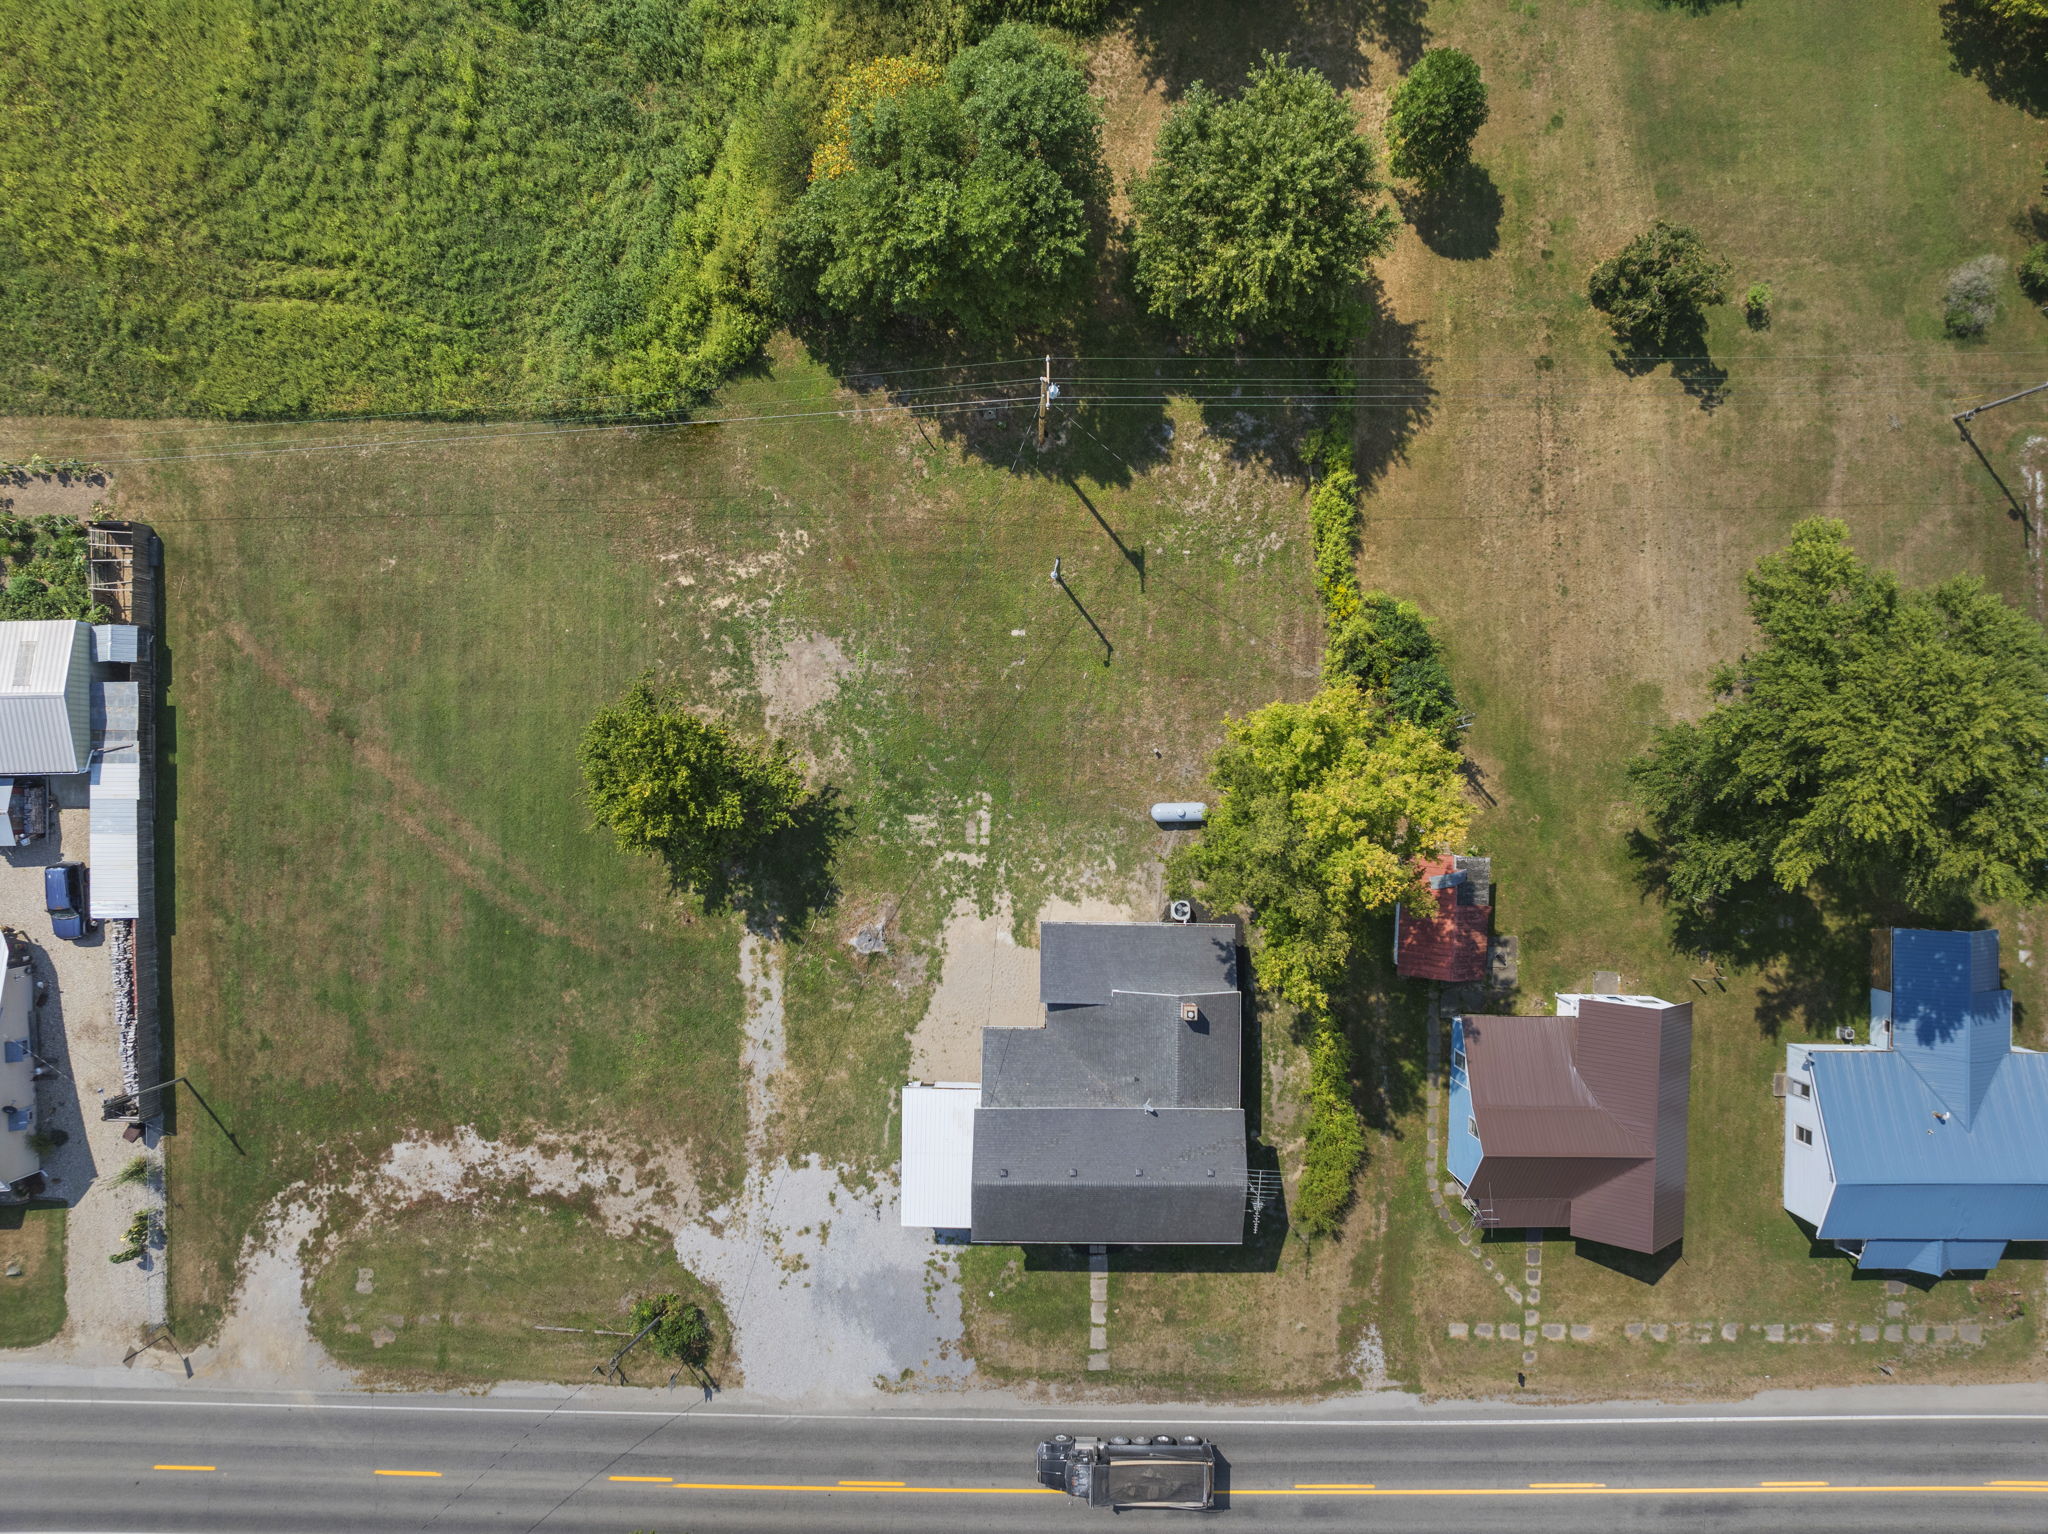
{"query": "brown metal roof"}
(1585, 1115)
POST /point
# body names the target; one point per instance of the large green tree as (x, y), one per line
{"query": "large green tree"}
(961, 199)
(1435, 112)
(689, 791)
(1260, 212)
(1655, 289)
(1323, 808)
(1892, 737)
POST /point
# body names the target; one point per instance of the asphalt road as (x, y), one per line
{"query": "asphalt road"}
(85, 1461)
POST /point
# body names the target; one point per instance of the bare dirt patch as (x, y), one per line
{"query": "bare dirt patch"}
(799, 678)
(989, 980)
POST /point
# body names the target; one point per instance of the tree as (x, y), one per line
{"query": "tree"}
(960, 199)
(669, 783)
(1893, 738)
(1387, 647)
(1435, 112)
(1258, 217)
(2019, 10)
(1656, 288)
(1324, 806)
(681, 1331)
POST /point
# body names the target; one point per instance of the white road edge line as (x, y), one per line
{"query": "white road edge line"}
(557, 1410)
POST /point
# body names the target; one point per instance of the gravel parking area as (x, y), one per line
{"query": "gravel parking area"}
(111, 1305)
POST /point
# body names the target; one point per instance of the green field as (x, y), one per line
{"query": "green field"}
(32, 1303)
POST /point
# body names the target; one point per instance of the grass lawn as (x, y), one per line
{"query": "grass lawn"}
(32, 1302)
(449, 1293)
(389, 913)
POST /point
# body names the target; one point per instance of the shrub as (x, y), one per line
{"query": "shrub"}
(141, 1231)
(133, 1174)
(1333, 526)
(43, 560)
(666, 782)
(1258, 216)
(1756, 304)
(1335, 1138)
(1969, 301)
(2033, 274)
(1656, 288)
(1434, 115)
(681, 1332)
(1386, 647)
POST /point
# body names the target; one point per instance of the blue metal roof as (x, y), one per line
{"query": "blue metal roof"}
(1461, 1147)
(1931, 1257)
(1943, 1136)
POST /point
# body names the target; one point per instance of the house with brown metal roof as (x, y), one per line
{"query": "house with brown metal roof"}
(1452, 944)
(1576, 1121)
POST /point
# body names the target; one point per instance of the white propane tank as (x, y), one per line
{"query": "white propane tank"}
(1174, 816)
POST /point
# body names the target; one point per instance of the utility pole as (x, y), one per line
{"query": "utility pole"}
(1962, 418)
(1044, 399)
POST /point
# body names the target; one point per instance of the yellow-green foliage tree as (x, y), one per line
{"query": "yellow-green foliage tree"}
(1324, 807)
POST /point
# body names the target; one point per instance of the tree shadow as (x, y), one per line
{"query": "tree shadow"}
(1695, 7)
(789, 877)
(1459, 220)
(2009, 58)
(1218, 41)
(1685, 348)
(1395, 398)
(1810, 948)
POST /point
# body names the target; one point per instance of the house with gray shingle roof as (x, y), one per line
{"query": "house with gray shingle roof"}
(1120, 1120)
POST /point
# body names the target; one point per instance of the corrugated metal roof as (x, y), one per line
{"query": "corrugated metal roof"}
(17, 1077)
(116, 643)
(1934, 1258)
(45, 711)
(938, 1154)
(1450, 946)
(117, 776)
(116, 713)
(1587, 1110)
(114, 858)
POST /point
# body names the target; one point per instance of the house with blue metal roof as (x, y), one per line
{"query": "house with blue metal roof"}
(1924, 1150)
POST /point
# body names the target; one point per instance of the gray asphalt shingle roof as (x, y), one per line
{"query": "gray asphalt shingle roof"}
(1121, 1120)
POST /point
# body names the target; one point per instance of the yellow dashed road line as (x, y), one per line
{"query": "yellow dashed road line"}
(181, 1467)
(428, 1474)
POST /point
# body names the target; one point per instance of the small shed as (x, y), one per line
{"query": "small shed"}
(45, 697)
(1452, 945)
(938, 1153)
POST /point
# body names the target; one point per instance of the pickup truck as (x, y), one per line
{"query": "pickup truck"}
(1135, 1471)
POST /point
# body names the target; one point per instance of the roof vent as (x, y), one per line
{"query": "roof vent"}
(1190, 1013)
(1150, 1109)
(1182, 911)
(1002, 1171)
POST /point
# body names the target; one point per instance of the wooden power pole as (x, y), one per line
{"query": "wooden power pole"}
(1044, 399)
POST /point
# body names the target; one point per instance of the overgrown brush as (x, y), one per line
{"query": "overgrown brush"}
(42, 561)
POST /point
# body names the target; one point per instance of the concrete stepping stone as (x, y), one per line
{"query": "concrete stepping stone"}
(1916, 1334)
(1775, 1333)
(1632, 1330)
(1730, 1331)
(1659, 1332)
(1581, 1332)
(1509, 1332)
(1484, 1331)
(1943, 1334)
(1866, 1333)
(1553, 1331)
(1970, 1332)
(1460, 1330)
(1894, 1334)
